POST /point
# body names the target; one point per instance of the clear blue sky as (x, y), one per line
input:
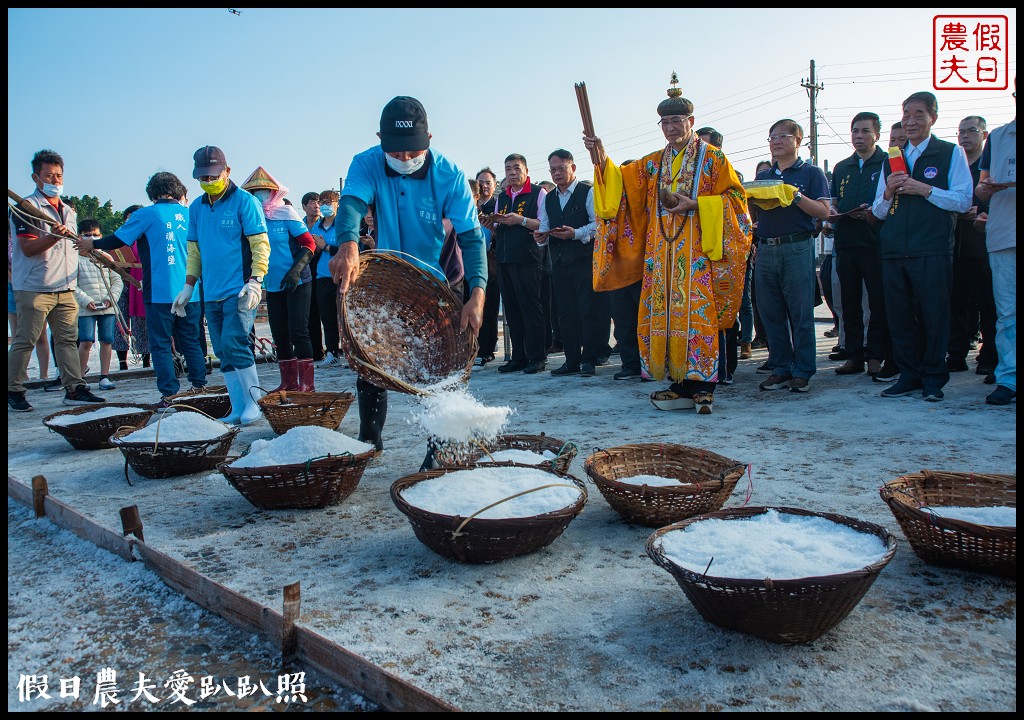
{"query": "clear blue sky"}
(122, 94)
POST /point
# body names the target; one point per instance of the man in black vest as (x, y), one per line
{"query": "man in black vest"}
(520, 266)
(859, 261)
(972, 304)
(487, 182)
(919, 206)
(567, 227)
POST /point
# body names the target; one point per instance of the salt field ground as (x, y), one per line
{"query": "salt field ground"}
(588, 623)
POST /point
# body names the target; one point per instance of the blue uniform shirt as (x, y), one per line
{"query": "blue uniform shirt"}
(221, 230)
(331, 238)
(408, 208)
(281, 233)
(781, 221)
(161, 231)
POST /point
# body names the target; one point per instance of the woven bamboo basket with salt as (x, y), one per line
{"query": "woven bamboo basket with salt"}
(399, 326)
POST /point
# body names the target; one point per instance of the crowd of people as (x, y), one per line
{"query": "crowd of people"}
(687, 267)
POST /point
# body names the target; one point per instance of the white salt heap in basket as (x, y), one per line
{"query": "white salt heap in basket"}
(773, 545)
(463, 492)
(991, 516)
(456, 416)
(181, 426)
(65, 420)
(649, 480)
(300, 445)
(523, 457)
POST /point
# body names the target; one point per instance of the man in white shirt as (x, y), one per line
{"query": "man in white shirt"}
(920, 205)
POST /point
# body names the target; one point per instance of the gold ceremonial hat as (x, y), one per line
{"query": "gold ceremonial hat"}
(676, 103)
(259, 180)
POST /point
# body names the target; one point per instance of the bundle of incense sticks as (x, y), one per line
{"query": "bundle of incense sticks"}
(588, 120)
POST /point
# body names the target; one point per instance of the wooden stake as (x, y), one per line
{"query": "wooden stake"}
(39, 493)
(131, 523)
(289, 635)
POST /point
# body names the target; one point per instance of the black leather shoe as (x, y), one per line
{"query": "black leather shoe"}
(565, 370)
(626, 374)
(534, 367)
(511, 366)
(587, 370)
(956, 364)
(840, 355)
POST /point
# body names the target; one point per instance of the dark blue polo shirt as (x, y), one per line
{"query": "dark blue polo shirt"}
(781, 221)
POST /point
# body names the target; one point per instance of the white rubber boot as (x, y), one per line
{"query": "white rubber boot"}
(231, 381)
(248, 384)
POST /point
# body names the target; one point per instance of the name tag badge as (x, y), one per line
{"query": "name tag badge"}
(930, 172)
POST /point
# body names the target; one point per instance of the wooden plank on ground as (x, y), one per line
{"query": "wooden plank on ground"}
(70, 519)
(352, 670)
(364, 677)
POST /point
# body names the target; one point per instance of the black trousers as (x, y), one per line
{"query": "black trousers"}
(547, 299)
(288, 313)
(625, 304)
(488, 337)
(861, 267)
(917, 307)
(315, 331)
(326, 302)
(971, 303)
(582, 314)
(520, 293)
(825, 284)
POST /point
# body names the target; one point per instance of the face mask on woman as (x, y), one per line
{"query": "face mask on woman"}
(262, 195)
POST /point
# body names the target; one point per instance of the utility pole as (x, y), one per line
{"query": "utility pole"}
(813, 89)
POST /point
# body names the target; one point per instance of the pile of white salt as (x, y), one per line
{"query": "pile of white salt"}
(105, 412)
(178, 427)
(300, 445)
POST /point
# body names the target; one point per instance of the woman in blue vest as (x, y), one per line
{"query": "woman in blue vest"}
(288, 281)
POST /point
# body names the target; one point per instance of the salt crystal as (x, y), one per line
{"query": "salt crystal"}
(771, 545)
(105, 412)
(523, 457)
(651, 480)
(180, 426)
(300, 445)
(464, 492)
(994, 516)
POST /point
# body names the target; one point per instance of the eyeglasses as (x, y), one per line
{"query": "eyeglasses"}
(558, 168)
(967, 131)
(776, 138)
(674, 120)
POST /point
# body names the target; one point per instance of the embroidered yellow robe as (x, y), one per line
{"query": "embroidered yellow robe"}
(692, 265)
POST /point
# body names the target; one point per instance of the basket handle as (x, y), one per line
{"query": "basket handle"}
(457, 532)
(256, 387)
(567, 446)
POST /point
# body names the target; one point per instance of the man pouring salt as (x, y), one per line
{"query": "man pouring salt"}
(411, 187)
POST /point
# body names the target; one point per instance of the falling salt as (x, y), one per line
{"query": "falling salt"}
(464, 492)
(300, 445)
(993, 516)
(651, 480)
(65, 420)
(178, 427)
(456, 416)
(772, 545)
(523, 457)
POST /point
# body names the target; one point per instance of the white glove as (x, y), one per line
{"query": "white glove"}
(249, 296)
(183, 299)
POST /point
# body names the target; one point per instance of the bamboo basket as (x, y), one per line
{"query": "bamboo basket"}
(286, 409)
(170, 459)
(947, 541)
(482, 540)
(213, 401)
(95, 434)
(783, 611)
(706, 480)
(399, 326)
(448, 455)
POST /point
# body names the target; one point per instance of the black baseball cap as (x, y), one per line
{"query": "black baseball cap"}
(209, 160)
(403, 125)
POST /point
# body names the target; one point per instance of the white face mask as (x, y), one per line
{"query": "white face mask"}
(405, 167)
(52, 190)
